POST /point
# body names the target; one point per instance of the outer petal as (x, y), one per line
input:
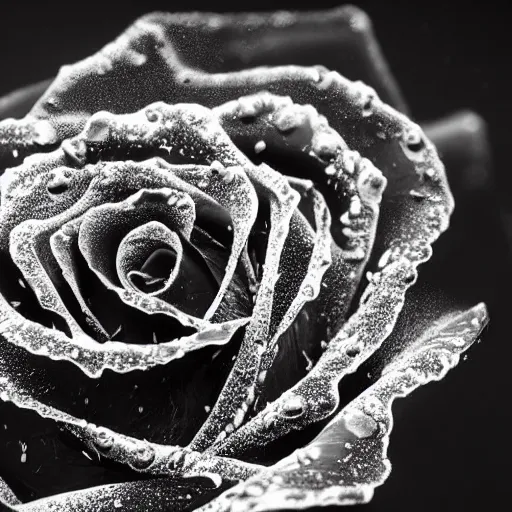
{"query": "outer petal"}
(347, 460)
(155, 495)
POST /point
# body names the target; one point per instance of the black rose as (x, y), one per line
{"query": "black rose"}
(204, 262)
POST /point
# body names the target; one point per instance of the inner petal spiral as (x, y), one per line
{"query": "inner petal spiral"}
(149, 258)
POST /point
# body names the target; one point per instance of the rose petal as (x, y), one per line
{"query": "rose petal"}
(241, 40)
(182, 393)
(105, 188)
(39, 459)
(7, 497)
(422, 224)
(299, 140)
(141, 456)
(341, 38)
(137, 252)
(18, 103)
(158, 494)
(442, 284)
(92, 357)
(316, 396)
(347, 460)
(278, 370)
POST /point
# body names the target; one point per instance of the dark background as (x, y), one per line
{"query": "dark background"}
(450, 447)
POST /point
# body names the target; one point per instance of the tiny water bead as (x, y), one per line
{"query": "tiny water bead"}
(414, 141)
(293, 407)
(260, 146)
(44, 133)
(98, 127)
(360, 424)
(104, 440)
(59, 181)
(76, 150)
(143, 456)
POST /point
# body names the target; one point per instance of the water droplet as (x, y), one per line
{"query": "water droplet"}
(325, 144)
(308, 291)
(152, 116)
(414, 141)
(430, 173)
(417, 195)
(357, 254)
(144, 456)
(260, 146)
(288, 119)
(293, 407)
(368, 107)
(216, 166)
(172, 200)
(176, 459)
(44, 133)
(52, 103)
(239, 418)
(98, 129)
(353, 350)
(104, 440)
(360, 424)
(349, 159)
(303, 457)
(59, 182)
(214, 477)
(355, 206)
(138, 59)
(76, 150)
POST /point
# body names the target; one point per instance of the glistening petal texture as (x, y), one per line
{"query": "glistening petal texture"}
(347, 460)
(216, 237)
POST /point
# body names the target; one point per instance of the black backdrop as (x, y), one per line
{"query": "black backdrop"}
(450, 447)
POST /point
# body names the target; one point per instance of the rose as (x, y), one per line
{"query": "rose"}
(240, 194)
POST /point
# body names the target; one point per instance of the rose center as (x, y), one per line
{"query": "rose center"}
(149, 258)
(155, 271)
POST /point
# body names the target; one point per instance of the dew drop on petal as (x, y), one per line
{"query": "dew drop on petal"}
(293, 407)
(360, 424)
(44, 133)
(260, 146)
